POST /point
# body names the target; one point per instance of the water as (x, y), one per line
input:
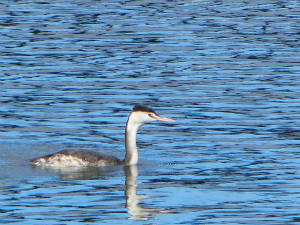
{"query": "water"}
(226, 71)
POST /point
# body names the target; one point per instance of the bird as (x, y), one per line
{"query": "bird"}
(139, 115)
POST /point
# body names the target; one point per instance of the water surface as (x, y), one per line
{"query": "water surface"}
(226, 71)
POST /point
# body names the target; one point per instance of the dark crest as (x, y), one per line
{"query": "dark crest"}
(142, 108)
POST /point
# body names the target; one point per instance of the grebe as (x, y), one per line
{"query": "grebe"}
(140, 114)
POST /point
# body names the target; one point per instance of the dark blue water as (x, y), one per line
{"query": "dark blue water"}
(228, 72)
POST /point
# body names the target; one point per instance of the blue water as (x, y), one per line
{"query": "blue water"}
(71, 71)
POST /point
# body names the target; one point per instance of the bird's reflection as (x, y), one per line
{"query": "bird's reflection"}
(136, 211)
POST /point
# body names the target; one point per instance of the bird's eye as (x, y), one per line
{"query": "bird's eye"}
(150, 115)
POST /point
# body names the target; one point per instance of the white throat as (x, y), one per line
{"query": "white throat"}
(132, 126)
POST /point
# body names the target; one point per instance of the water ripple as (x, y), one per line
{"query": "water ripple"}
(227, 72)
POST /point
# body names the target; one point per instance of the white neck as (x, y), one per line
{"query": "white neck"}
(131, 157)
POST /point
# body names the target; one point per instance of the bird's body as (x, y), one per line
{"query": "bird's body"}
(80, 158)
(76, 158)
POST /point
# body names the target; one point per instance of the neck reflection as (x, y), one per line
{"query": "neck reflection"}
(136, 211)
(132, 198)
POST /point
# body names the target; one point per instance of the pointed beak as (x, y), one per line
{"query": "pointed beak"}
(160, 118)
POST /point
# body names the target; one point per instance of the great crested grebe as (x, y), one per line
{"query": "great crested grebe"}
(140, 114)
